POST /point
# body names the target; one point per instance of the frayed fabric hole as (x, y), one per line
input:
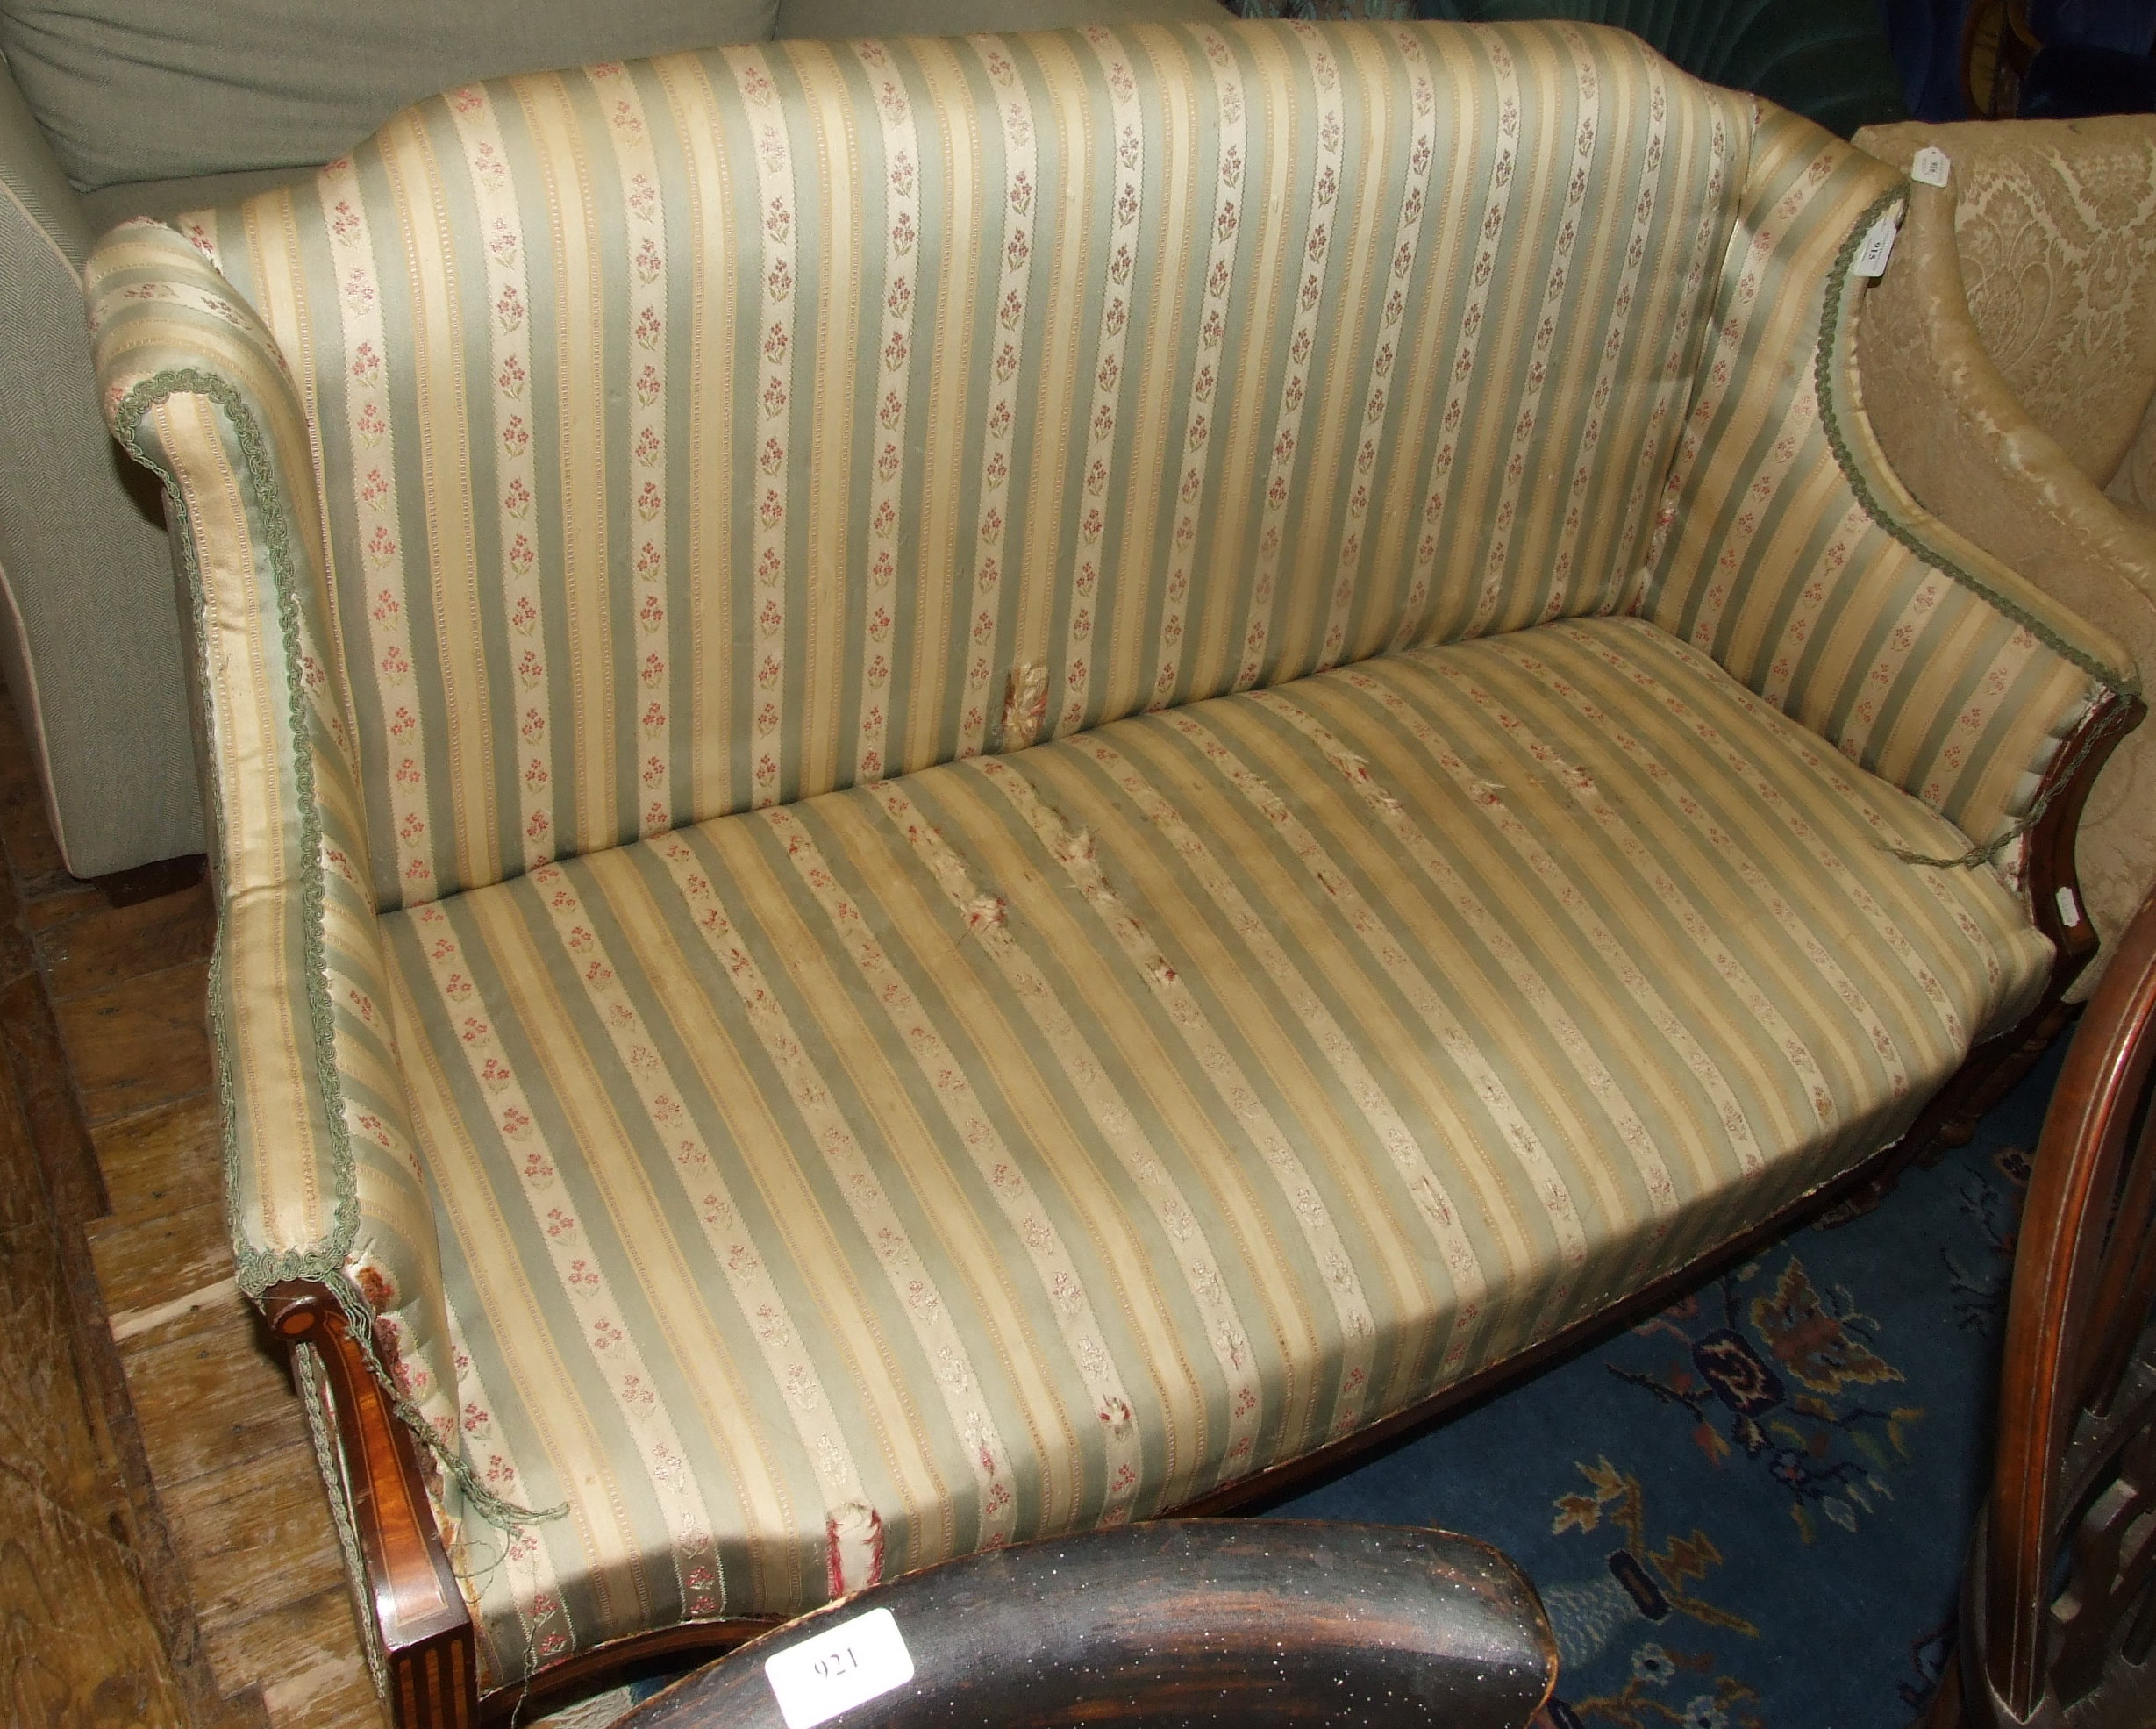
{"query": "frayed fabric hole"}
(1025, 705)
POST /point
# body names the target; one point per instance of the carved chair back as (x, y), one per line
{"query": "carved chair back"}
(2058, 1614)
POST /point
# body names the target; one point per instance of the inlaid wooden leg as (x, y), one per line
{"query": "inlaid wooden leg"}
(421, 1630)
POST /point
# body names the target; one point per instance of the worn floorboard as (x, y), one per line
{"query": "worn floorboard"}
(167, 1156)
(215, 1397)
(315, 1677)
(252, 1538)
(93, 1628)
(165, 1552)
(50, 1435)
(137, 1042)
(77, 1645)
(97, 945)
(151, 1263)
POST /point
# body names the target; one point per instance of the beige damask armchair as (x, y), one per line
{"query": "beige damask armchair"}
(2028, 285)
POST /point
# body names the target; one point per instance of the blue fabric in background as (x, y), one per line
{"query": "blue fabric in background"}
(2124, 26)
(2097, 53)
(1751, 1512)
(1812, 55)
(1825, 59)
(1925, 36)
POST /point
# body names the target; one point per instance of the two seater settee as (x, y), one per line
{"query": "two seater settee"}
(970, 786)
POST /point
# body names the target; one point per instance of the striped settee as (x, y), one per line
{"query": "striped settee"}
(964, 788)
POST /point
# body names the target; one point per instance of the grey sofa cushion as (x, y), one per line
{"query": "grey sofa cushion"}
(959, 18)
(165, 199)
(90, 639)
(152, 89)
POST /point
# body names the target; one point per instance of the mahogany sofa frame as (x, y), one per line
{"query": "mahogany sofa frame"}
(416, 1616)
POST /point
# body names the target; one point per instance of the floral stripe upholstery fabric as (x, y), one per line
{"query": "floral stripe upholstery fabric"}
(1008, 385)
(1339, 526)
(1048, 1139)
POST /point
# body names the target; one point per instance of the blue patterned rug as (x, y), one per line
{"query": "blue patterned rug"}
(1750, 1513)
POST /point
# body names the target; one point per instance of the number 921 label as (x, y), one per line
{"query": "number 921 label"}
(843, 1666)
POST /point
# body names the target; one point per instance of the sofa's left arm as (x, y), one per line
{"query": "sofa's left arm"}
(414, 1619)
(332, 1224)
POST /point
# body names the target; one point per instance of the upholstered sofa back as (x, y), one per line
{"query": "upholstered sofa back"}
(724, 428)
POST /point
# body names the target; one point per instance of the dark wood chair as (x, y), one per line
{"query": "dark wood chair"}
(2058, 1607)
(1248, 1622)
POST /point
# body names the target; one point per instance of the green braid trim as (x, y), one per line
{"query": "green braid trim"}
(260, 1269)
(2106, 729)
(1834, 334)
(323, 1264)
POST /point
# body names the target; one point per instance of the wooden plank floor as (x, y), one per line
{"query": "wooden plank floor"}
(79, 1641)
(169, 1557)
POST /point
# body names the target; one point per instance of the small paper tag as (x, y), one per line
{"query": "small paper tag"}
(842, 1667)
(1878, 247)
(1931, 167)
(2070, 907)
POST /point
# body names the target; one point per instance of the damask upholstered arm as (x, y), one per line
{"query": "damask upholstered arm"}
(1954, 430)
(322, 1179)
(2049, 229)
(1966, 448)
(1790, 550)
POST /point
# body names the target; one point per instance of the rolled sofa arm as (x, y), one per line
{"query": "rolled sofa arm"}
(323, 1182)
(1951, 427)
(1789, 550)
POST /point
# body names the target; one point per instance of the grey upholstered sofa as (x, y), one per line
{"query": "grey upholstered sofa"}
(119, 108)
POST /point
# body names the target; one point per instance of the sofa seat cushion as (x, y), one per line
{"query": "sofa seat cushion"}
(1043, 1139)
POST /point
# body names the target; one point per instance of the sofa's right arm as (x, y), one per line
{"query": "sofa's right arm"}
(1972, 455)
(323, 1179)
(1788, 550)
